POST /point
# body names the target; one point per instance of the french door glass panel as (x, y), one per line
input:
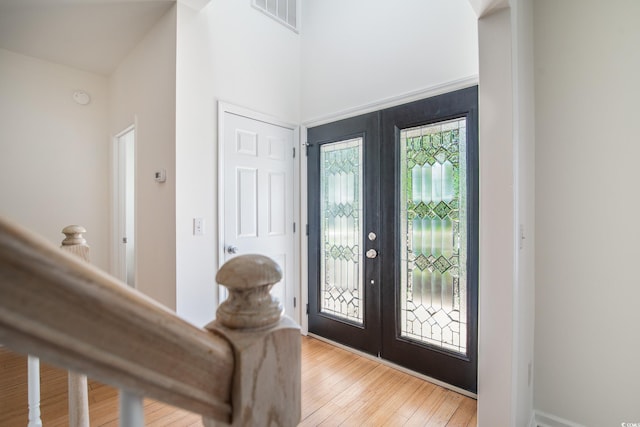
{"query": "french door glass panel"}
(341, 210)
(433, 255)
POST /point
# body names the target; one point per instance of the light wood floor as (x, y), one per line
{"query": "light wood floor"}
(338, 388)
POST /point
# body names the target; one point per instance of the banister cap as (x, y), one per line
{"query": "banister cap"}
(250, 305)
(249, 271)
(74, 235)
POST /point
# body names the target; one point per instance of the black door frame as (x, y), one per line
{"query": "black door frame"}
(381, 132)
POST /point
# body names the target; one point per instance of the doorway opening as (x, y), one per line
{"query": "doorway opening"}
(125, 206)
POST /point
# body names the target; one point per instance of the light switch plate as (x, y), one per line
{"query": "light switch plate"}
(198, 226)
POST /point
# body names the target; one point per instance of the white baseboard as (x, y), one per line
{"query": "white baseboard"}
(542, 419)
(532, 420)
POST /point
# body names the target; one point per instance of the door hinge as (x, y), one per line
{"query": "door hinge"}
(306, 146)
(294, 302)
(307, 229)
(307, 308)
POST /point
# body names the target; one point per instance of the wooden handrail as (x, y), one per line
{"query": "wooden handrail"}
(244, 370)
(72, 314)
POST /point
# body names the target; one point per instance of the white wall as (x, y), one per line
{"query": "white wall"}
(227, 51)
(53, 151)
(360, 52)
(497, 209)
(587, 150)
(524, 181)
(142, 90)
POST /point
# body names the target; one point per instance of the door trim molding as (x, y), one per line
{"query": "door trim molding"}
(393, 101)
(116, 266)
(226, 107)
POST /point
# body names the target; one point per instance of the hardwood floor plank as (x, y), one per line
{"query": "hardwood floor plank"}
(374, 397)
(463, 415)
(474, 420)
(339, 388)
(316, 395)
(411, 405)
(337, 418)
(427, 408)
(387, 413)
(446, 410)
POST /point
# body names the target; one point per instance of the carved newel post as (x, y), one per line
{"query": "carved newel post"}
(76, 244)
(266, 344)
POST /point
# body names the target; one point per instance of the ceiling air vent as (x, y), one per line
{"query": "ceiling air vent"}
(283, 11)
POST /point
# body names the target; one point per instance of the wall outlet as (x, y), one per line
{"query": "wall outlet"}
(198, 226)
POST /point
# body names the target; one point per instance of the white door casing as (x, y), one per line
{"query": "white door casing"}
(257, 184)
(124, 206)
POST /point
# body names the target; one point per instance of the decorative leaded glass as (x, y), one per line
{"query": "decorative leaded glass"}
(433, 232)
(341, 209)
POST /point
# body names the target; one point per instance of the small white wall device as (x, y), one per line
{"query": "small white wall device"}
(81, 97)
(160, 175)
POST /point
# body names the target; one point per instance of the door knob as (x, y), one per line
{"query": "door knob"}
(372, 253)
(232, 249)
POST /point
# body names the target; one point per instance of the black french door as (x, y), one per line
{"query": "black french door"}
(393, 234)
(343, 210)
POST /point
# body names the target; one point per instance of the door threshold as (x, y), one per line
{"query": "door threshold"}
(396, 367)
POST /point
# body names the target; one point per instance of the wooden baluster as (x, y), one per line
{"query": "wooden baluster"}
(33, 391)
(75, 243)
(131, 406)
(266, 380)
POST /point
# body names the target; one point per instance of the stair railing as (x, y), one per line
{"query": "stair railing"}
(243, 369)
(76, 244)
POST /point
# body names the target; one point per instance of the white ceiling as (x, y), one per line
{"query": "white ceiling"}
(96, 35)
(91, 35)
(486, 7)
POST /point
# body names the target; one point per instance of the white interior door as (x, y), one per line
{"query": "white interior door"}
(125, 206)
(258, 187)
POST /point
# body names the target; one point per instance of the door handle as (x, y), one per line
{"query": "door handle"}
(372, 253)
(232, 249)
